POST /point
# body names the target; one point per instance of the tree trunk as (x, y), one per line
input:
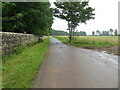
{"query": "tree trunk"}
(70, 38)
(73, 33)
(70, 34)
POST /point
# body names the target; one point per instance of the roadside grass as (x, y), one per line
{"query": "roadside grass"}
(0, 74)
(90, 41)
(19, 70)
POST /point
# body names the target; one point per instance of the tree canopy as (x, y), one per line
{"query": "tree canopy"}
(74, 13)
(58, 32)
(105, 33)
(29, 17)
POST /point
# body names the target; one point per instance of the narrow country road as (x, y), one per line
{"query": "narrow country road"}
(71, 67)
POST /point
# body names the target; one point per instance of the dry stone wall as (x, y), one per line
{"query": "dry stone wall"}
(11, 41)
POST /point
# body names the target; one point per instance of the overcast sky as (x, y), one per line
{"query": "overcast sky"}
(106, 17)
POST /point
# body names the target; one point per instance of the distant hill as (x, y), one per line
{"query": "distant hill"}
(58, 32)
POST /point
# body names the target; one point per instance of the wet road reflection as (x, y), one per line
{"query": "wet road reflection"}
(71, 67)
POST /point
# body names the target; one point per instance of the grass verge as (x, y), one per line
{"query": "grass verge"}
(90, 41)
(20, 70)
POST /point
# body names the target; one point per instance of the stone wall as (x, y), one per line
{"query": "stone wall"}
(11, 41)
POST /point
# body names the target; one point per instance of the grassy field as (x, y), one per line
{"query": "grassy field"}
(20, 70)
(91, 41)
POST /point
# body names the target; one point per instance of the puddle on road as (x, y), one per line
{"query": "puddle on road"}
(108, 57)
(102, 56)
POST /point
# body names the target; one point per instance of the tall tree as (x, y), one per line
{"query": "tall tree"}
(93, 33)
(107, 33)
(98, 33)
(30, 17)
(111, 31)
(115, 32)
(74, 13)
(103, 33)
(82, 33)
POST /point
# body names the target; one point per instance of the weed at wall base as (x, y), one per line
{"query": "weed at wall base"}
(20, 69)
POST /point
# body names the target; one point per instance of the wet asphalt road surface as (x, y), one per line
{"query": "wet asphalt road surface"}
(71, 67)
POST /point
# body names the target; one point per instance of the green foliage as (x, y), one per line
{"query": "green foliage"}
(111, 31)
(115, 32)
(98, 33)
(58, 32)
(106, 33)
(62, 33)
(21, 48)
(90, 41)
(81, 33)
(74, 13)
(64, 39)
(20, 69)
(30, 17)
(93, 33)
